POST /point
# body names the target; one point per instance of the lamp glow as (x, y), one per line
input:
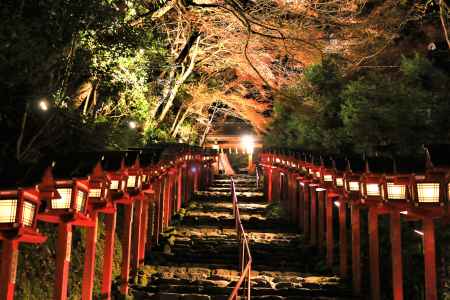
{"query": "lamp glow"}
(8, 208)
(80, 201)
(372, 189)
(132, 124)
(43, 105)
(248, 143)
(353, 186)
(428, 192)
(396, 191)
(328, 178)
(339, 182)
(337, 204)
(64, 201)
(28, 212)
(418, 232)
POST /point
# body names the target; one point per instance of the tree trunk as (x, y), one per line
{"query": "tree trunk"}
(178, 83)
(174, 133)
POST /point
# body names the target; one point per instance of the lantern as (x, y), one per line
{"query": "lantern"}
(353, 185)
(428, 189)
(395, 188)
(18, 209)
(373, 186)
(98, 186)
(134, 180)
(73, 196)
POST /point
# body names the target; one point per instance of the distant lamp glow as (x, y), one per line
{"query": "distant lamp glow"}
(43, 105)
(339, 182)
(132, 124)
(418, 232)
(337, 204)
(320, 189)
(428, 192)
(248, 143)
(404, 212)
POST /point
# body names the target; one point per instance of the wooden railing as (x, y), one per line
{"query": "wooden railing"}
(143, 184)
(245, 257)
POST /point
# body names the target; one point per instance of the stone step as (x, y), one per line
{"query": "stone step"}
(243, 197)
(227, 207)
(250, 224)
(228, 189)
(215, 282)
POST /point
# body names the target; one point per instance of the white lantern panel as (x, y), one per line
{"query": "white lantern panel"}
(396, 191)
(8, 208)
(339, 182)
(373, 189)
(353, 186)
(114, 185)
(28, 212)
(131, 181)
(95, 193)
(80, 201)
(317, 174)
(428, 192)
(328, 178)
(64, 201)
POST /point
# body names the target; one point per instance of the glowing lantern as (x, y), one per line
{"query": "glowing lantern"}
(98, 186)
(428, 189)
(396, 188)
(18, 209)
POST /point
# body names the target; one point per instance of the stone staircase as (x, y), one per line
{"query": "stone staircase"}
(197, 258)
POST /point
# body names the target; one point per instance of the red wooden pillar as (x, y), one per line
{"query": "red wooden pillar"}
(144, 232)
(108, 255)
(300, 206)
(9, 260)
(343, 255)
(321, 220)
(87, 285)
(329, 230)
(159, 210)
(64, 247)
(196, 177)
(429, 252)
(137, 234)
(269, 185)
(396, 248)
(179, 188)
(356, 249)
(306, 203)
(374, 254)
(313, 226)
(126, 248)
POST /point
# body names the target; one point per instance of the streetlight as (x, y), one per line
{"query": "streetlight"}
(132, 124)
(43, 105)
